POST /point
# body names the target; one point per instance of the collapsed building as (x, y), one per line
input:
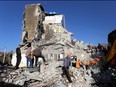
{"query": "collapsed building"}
(48, 31)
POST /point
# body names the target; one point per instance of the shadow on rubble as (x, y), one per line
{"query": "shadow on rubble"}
(4, 68)
(3, 84)
(105, 78)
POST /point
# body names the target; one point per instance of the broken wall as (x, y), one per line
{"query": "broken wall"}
(32, 22)
(47, 31)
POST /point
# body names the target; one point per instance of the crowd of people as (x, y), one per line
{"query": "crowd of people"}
(30, 55)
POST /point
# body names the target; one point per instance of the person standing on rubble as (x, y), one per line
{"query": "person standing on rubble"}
(10, 55)
(28, 56)
(18, 55)
(65, 68)
(37, 52)
(99, 46)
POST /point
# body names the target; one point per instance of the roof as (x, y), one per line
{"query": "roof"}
(1, 53)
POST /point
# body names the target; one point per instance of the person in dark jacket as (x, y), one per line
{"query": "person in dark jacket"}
(18, 56)
(10, 54)
(38, 53)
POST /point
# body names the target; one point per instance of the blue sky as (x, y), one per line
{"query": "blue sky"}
(90, 21)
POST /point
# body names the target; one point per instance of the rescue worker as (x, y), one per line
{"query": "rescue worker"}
(38, 53)
(65, 68)
(18, 55)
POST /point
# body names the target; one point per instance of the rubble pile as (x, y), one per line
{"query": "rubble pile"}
(50, 76)
(47, 75)
(105, 78)
(46, 30)
(92, 75)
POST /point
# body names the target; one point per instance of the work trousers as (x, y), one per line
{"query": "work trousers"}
(18, 61)
(29, 62)
(66, 72)
(36, 59)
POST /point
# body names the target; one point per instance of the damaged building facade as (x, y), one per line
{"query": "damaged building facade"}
(32, 23)
(47, 31)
